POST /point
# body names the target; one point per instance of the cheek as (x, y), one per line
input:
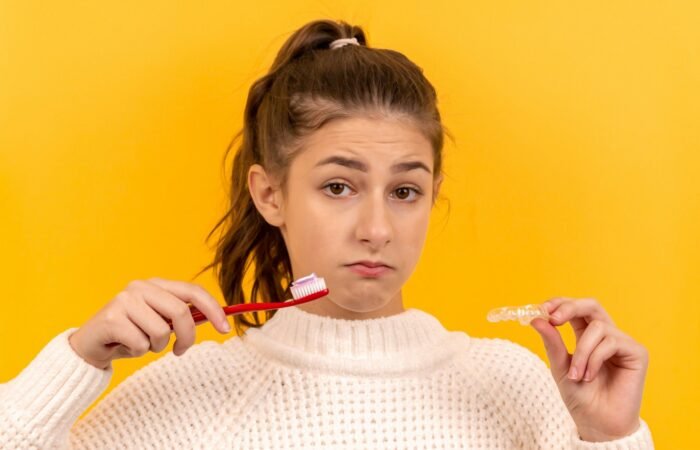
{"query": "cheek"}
(416, 234)
(310, 230)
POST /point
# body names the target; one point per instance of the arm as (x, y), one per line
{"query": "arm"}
(171, 402)
(38, 406)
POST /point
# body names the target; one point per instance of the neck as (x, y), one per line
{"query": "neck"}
(326, 307)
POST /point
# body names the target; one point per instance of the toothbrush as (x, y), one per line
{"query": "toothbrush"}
(524, 314)
(304, 290)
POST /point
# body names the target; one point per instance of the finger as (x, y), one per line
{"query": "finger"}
(553, 303)
(199, 297)
(557, 353)
(579, 312)
(591, 337)
(604, 351)
(133, 341)
(179, 314)
(150, 322)
(170, 307)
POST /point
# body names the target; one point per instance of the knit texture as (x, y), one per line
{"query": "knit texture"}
(303, 381)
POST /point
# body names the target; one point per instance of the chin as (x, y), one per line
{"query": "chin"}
(360, 300)
(360, 307)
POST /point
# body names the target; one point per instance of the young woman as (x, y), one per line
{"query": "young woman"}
(338, 169)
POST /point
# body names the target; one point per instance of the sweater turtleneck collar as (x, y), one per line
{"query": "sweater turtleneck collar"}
(408, 341)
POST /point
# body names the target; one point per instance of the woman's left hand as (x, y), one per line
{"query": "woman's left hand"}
(608, 368)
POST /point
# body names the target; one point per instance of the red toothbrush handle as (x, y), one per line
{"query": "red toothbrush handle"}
(200, 318)
(197, 315)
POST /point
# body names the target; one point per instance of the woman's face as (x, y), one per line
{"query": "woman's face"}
(361, 189)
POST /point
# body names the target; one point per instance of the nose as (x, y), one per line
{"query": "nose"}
(374, 226)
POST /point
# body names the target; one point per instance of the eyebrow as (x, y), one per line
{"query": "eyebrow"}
(359, 165)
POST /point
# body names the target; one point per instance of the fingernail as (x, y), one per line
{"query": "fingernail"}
(573, 373)
(587, 377)
(226, 326)
(556, 316)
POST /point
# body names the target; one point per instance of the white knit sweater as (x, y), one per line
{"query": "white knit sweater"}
(303, 381)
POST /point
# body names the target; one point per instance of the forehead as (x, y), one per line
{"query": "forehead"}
(374, 141)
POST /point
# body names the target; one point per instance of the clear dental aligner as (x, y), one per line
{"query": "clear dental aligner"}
(524, 314)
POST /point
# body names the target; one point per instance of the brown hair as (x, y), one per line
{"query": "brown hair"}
(308, 85)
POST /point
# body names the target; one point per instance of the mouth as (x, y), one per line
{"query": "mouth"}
(371, 271)
(371, 264)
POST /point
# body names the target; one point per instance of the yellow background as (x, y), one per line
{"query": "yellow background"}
(575, 170)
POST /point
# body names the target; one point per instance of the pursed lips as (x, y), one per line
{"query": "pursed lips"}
(371, 264)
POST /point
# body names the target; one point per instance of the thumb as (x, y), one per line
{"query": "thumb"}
(559, 358)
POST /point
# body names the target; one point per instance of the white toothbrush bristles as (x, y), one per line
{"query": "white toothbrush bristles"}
(307, 285)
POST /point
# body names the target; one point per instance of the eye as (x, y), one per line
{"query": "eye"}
(337, 188)
(406, 190)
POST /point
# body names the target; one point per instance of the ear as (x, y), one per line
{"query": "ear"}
(436, 187)
(266, 195)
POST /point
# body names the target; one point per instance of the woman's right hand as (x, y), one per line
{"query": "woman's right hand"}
(134, 322)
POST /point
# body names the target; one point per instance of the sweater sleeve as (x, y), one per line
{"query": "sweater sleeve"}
(524, 388)
(169, 403)
(39, 406)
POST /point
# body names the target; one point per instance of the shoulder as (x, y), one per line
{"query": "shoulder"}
(202, 367)
(206, 360)
(497, 361)
(197, 381)
(520, 383)
(498, 350)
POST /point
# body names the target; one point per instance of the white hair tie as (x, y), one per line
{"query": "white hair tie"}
(343, 42)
